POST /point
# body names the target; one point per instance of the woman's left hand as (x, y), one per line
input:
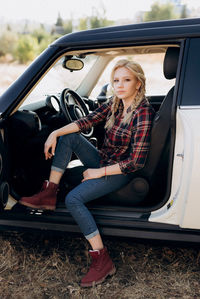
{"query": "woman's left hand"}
(92, 173)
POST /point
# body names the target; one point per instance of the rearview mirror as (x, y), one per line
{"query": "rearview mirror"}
(73, 64)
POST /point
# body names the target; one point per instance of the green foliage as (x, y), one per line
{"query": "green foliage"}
(68, 27)
(83, 24)
(45, 42)
(27, 48)
(160, 12)
(98, 20)
(9, 27)
(8, 41)
(94, 22)
(43, 38)
(40, 34)
(184, 12)
(59, 21)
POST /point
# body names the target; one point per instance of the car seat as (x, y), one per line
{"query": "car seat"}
(145, 179)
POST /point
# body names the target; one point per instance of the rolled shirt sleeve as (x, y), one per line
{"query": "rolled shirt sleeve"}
(140, 141)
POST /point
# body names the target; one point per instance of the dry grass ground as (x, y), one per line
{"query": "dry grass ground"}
(34, 266)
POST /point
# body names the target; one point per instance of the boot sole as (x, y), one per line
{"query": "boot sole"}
(51, 208)
(91, 284)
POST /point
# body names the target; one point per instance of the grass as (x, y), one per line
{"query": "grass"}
(51, 266)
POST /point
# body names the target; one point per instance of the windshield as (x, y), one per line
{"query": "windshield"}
(59, 78)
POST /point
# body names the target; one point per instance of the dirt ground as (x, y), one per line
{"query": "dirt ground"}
(9, 72)
(37, 266)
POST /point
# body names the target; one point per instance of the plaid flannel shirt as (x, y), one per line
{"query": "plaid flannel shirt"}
(125, 144)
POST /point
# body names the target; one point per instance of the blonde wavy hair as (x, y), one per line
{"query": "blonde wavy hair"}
(137, 70)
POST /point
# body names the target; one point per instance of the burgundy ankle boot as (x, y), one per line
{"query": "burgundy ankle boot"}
(44, 200)
(101, 267)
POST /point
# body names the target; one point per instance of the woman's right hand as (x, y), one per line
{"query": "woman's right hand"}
(50, 145)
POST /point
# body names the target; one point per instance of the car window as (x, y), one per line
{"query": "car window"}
(58, 78)
(152, 64)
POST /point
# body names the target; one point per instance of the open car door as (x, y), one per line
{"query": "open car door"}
(4, 173)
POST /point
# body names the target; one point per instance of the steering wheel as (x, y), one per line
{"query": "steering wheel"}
(74, 111)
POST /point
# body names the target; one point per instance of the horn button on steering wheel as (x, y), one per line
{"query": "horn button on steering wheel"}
(78, 112)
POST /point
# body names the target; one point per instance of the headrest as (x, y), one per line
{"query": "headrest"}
(171, 62)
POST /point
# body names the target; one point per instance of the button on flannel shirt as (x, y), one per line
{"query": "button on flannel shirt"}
(125, 144)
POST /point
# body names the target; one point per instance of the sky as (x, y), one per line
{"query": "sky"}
(46, 11)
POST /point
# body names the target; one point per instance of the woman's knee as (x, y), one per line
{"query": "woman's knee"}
(71, 201)
(69, 138)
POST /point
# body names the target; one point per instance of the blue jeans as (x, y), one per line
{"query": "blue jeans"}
(87, 190)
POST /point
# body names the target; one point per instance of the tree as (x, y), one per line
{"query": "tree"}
(8, 41)
(43, 38)
(83, 24)
(8, 27)
(95, 22)
(98, 19)
(40, 34)
(59, 21)
(27, 48)
(184, 12)
(68, 27)
(44, 44)
(160, 12)
(98, 22)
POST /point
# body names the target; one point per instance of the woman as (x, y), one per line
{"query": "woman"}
(128, 119)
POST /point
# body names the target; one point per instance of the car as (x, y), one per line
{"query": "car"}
(69, 80)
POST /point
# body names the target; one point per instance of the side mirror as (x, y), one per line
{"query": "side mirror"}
(73, 64)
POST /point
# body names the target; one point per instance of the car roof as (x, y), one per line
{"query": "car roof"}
(135, 32)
